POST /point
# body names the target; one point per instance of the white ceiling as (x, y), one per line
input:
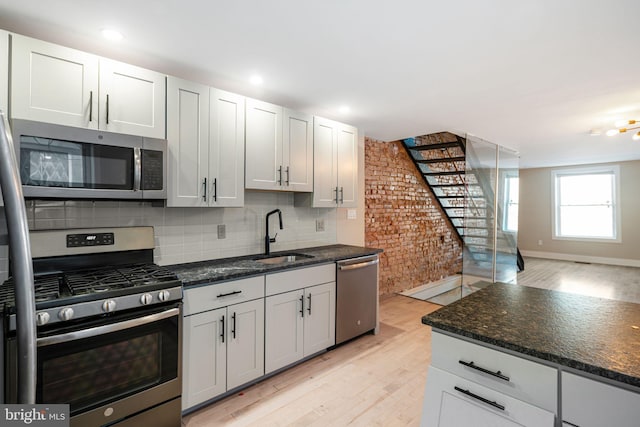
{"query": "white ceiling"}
(534, 76)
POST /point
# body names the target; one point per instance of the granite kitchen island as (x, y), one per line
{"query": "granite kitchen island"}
(529, 356)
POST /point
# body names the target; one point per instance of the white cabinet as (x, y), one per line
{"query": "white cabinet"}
(299, 315)
(205, 131)
(223, 346)
(56, 84)
(279, 148)
(471, 384)
(451, 401)
(587, 403)
(335, 165)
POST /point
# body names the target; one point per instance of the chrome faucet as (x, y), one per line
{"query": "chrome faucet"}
(268, 240)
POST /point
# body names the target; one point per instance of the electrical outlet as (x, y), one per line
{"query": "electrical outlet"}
(222, 231)
(319, 224)
(540, 242)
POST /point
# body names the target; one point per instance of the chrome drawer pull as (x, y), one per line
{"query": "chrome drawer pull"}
(230, 293)
(471, 365)
(480, 398)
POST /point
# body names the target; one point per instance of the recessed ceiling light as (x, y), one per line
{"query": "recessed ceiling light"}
(344, 109)
(256, 80)
(112, 35)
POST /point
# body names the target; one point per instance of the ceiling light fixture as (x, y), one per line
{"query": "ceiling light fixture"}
(112, 35)
(624, 126)
(256, 80)
(344, 109)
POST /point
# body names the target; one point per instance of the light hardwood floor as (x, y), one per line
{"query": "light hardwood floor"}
(375, 380)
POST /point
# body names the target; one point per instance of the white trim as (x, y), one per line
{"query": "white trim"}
(582, 258)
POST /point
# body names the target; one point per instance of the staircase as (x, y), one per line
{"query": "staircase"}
(465, 195)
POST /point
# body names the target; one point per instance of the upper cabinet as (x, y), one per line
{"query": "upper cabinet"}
(279, 148)
(205, 131)
(56, 84)
(4, 72)
(335, 161)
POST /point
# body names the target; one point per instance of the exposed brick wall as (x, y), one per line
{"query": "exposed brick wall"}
(402, 218)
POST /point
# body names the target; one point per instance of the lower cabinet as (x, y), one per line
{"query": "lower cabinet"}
(298, 324)
(223, 349)
(587, 403)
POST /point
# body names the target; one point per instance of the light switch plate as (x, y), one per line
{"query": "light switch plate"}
(222, 231)
(351, 214)
(319, 224)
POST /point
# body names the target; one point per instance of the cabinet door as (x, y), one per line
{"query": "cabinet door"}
(132, 100)
(319, 318)
(587, 403)
(245, 346)
(283, 330)
(264, 166)
(188, 142)
(53, 84)
(447, 405)
(226, 149)
(297, 151)
(204, 357)
(325, 174)
(347, 148)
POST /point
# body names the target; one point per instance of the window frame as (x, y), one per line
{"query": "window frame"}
(555, 206)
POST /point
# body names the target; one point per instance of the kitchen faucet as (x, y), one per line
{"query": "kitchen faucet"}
(268, 240)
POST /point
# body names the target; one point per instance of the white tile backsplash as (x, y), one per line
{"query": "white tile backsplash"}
(190, 234)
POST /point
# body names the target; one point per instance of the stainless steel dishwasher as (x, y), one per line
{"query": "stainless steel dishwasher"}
(356, 297)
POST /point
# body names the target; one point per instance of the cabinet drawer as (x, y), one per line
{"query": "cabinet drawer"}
(286, 281)
(517, 377)
(588, 402)
(451, 401)
(222, 294)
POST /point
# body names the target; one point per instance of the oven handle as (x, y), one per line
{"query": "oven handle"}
(105, 329)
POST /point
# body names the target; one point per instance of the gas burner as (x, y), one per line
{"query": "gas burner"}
(90, 281)
(147, 274)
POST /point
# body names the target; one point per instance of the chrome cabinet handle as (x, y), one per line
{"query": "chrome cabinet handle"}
(302, 305)
(215, 189)
(107, 108)
(336, 190)
(228, 294)
(480, 398)
(472, 365)
(309, 308)
(342, 195)
(280, 175)
(287, 181)
(233, 328)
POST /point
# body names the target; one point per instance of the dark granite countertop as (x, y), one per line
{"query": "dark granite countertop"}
(218, 270)
(594, 335)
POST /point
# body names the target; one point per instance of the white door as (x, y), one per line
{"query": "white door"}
(264, 166)
(204, 357)
(188, 142)
(132, 100)
(226, 149)
(450, 401)
(319, 318)
(245, 346)
(347, 166)
(53, 84)
(325, 175)
(297, 151)
(283, 330)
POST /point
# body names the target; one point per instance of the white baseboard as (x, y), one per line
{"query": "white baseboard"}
(582, 258)
(434, 288)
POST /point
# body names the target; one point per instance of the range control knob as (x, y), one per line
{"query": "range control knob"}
(146, 298)
(164, 295)
(42, 318)
(108, 306)
(66, 313)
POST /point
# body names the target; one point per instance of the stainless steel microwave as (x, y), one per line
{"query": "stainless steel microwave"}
(63, 162)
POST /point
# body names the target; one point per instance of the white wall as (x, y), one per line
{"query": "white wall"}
(190, 234)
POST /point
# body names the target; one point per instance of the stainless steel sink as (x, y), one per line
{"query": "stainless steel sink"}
(283, 258)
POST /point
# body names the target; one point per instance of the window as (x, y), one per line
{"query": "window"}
(586, 203)
(511, 195)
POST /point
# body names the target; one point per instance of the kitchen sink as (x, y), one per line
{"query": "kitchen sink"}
(282, 258)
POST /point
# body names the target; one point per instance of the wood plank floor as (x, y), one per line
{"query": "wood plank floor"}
(375, 380)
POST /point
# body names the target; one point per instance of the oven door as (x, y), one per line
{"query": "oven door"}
(109, 371)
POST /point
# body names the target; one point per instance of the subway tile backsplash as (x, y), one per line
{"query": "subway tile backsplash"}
(189, 234)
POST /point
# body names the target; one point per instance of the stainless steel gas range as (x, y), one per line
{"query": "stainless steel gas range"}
(108, 328)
